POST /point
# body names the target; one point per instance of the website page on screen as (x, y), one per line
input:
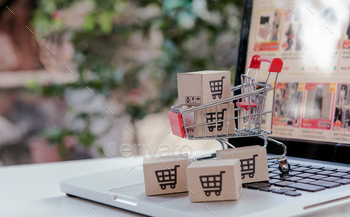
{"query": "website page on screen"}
(312, 98)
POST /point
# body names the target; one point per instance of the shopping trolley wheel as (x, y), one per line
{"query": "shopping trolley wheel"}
(172, 186)
(285, 171)
(251, 175)
(214, 96)
(163, 187)
(284, 166)
(217, 193)
(207, 193)
(242, 176)
(220, 96)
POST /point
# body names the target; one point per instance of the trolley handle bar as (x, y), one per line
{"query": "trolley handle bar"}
(276, 64)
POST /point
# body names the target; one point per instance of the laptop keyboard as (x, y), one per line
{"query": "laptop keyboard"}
(302, 177)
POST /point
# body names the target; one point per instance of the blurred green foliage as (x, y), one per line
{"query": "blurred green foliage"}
(106, 28)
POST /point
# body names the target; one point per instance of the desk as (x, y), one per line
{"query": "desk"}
(33, 190)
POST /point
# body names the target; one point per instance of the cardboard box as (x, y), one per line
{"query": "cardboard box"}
(198, 88)
(253, 162)
(222, 112)
(165, 175)
(214, 180)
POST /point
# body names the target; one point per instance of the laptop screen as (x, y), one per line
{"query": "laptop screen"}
(312, 98)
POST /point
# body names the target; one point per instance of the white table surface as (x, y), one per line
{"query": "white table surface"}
(33, 190)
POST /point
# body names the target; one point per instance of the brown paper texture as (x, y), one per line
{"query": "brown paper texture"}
(165, 175)
(222, 112)
(253, 162)
(214, 180)
(198, 88)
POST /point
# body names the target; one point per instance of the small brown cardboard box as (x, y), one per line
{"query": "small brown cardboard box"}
(214, 180)
(253, 162)
(222, 112)
(198, 88)
(165, 175)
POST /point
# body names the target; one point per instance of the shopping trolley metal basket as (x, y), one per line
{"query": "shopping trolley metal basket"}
(211, 118)
(249, 108)
(167, 177)
(213, 183)
(216, 87)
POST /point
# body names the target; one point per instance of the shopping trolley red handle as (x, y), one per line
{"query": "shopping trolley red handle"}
(276, 64)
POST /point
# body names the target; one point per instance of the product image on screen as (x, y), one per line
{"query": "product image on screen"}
(269, 30)
(287, 105)
(317, 106)
(342, 108)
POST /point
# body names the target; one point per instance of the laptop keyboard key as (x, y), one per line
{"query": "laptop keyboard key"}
(281, 177)
(313, 171)
(282, 190)
(317, 177)
(293, 167)
(292, 193)
(294, 179)
(330, 168)
(274, 166)
(268, 189)
(273, 181)
(289, 178)
(306, 187)
(343, 181)
(276, 172)
(284, 183)
(272, 175)
(288, 189)
(305, 175)
(306, 181)
(317, 167)
(278, 191)
(324, 172)
(294, 173)
(301, 169)
(343, 170)
(330, 179)
(258, 185)
(305, 165)
(325, 184)
(272, 169)
(270, 164)
(338, 174)
(346, 177)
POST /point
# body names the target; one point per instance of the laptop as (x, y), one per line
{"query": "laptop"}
(311, 117)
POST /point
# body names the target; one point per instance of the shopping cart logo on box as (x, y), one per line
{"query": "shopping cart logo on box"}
(213, 183)
(216, 87)
(248, 167)
(211, 117)
(167, 177)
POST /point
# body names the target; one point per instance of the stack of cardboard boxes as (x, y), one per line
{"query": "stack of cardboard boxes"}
(208, 180)
(201, 88)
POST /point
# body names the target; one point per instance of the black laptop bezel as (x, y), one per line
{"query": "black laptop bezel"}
(326, 151)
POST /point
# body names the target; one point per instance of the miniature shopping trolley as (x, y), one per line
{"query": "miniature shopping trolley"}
(167, 177)
(250, 112)
(212, 183)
